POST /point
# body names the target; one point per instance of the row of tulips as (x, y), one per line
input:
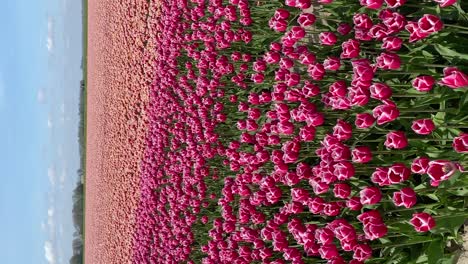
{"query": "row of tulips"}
(280, 132)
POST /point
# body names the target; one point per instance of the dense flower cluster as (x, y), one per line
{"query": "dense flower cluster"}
(243, 144)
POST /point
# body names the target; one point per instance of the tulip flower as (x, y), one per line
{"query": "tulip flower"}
(423, 83)
(362, 252)
(420, 165)
(429, 24)
(460, 143)
(405, 197)
(372, 4)
(327, 38)
(423, 126)
(445, 3)
(440, 170)
(364, 120)
(370, 195)
(422, 222)
(396, 140)
(454, 78)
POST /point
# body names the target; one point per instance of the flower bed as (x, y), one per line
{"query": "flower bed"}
(283, 135)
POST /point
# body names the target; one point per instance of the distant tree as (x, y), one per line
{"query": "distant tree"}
(78, 192)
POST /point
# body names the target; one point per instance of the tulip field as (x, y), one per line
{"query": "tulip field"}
(299, 131)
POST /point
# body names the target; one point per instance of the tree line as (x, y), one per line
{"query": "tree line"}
(78, 192)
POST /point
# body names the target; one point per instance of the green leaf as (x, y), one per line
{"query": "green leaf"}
(435, 251)
(433, 197)
(446, 52)
(449, 224)
(463, 191)
(427, 55)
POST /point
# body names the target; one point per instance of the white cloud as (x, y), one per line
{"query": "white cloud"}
(50, 124)
(62, 108)
(50, 219)
(40, 96)
(49, 252)
(51, 174)
(50, 34)
(62, 178)
(50, 212)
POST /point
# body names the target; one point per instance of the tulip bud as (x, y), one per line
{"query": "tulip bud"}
(423, 83)
(423, 126)
(396, 140)
(370, 195)
(405, 197)
(422, 222)
(460, 143)
(454, 78)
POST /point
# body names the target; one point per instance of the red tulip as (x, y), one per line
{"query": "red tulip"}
(388, 61)
(372, 4)
(422, 222)
(364, 120)
(328, 251)
(303, 4)
(354, 203)
(430, 24)
(327, 38)
(363, 70)
(423, 126)
(420, 165)
(385, 113)
(307, 133)
(281, 13)
(362, 21)
(370, 195)
(374, 231)
(380, 176)
(362, 252)
(361, 154)
(445, 3)
(342, 130)
(440, 170)
(332, 63)
(316, 71)
(454, 78)
(332, 209)
(378, 32)
(310, 89)
(396, 140)
(415, 32)
(307, 58)
(306, 19)
(423, 83)
(392, 43)
(380, 91)
(405, 197)
(371, 216)
(316, 205)
(394, 21)
(343, 170)
(398, 173)
(344, 28)
(395, 3)
(342, 190)
(324, 236)
(350, 49)
(460, 143)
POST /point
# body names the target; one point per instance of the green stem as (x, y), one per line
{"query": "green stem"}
(456, 26)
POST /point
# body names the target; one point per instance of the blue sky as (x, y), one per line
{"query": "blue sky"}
(39, 83)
